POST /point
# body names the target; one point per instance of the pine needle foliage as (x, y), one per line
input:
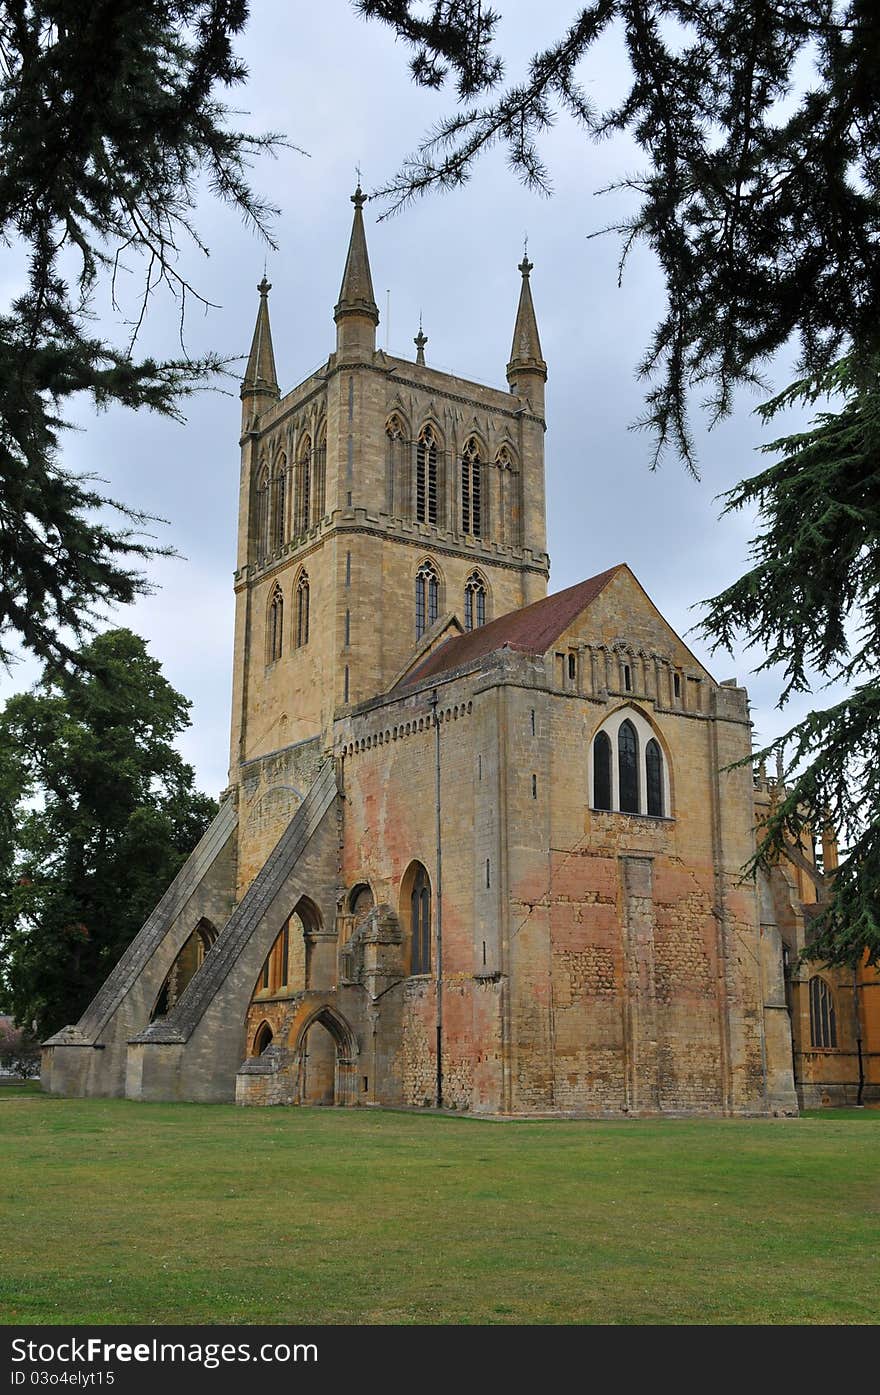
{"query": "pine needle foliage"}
(108, 119)
(98, 812)
(759, 121)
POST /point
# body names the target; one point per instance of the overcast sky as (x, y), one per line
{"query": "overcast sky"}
(339, 87)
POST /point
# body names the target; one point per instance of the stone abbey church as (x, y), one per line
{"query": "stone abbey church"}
(480, 848)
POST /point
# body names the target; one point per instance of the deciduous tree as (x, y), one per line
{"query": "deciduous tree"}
(99, 812)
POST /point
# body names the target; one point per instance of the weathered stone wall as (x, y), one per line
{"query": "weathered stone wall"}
(363, 554)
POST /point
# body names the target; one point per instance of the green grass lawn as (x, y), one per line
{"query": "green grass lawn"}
(112, 1211)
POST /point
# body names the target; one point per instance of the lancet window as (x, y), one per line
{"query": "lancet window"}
(427, 598)
(302, 609)
(279, 502)
(275, 637)
(426, 476)
(474, 601)
(823, 1019)
(471, 489)
(629, 773)
(304, 486)
(397, 481)
(320, 473)
(262, 514)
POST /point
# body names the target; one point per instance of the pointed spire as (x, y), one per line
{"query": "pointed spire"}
(420, 341)
(260, 374)
(356, 293)
(525, 351)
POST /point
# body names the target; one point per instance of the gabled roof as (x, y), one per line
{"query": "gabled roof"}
(529, 631)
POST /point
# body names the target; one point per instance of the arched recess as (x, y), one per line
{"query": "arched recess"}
(188, 961)
(507, 511)
(398, 466)
(287, 968)
(360, 901)
(263, 1037)
(628, 734)
(302, 510)
(325, 1054)
(416, 917)
(302, 601)
(275, 625)
(261, 513)
(278, 510)
(320, 474)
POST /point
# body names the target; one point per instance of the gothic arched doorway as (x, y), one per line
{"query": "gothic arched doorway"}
(325, 1051)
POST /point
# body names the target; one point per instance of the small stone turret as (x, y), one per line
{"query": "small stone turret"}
(527, 371)
(356, 313)
(259, 386)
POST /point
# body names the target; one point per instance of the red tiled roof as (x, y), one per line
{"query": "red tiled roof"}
(530, 631)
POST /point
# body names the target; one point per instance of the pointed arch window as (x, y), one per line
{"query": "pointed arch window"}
(823, 1019)
(304, 486)
(279, 502)
(302, 609)
(471, 489)
(397, 482)
(474, 602)
(420, 922)
(320, 473)
(427, 598)
(628, 767)
(262, 514)
(602, 771)
(654, 778)
(275, 636)
(426, 476)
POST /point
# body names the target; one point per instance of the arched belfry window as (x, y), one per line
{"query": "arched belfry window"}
(474, 601)
(279, 503)
(628, 768)
(471, 489)
(823, 1019)
(261, 530)
(654, 778)
(427, 598)
(397, 486)
(275, 635)
(426, 475)
(320, 474)
(416, 914)
(304, 486)
(302, 609)
(602, 771)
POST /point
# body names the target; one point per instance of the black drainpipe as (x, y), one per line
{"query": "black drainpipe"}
(439, 903)
(858, 1026)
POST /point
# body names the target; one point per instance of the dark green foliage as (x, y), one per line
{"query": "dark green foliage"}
(811, 602)
(99, 813)
(107, 118)
(759, 201)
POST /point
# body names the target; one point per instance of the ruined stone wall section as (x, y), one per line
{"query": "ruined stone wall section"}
(90, 1058)
(271, 790)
